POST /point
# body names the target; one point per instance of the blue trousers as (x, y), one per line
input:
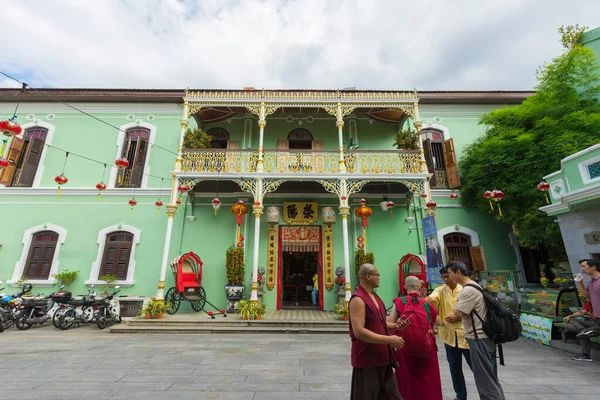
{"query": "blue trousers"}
(454, 356)
(315, 294)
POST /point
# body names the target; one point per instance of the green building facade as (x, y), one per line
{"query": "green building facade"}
(269, 149)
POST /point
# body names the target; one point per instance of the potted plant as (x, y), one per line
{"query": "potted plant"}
(155, 309)
(66, 277)
(245, 309)
(406, 139)
(108, 278)
(260, 310)
(362, 257)
(234, 264)
(342, 312)
(196, 139)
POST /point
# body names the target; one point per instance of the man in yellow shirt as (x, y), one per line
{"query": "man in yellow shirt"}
(444, 298)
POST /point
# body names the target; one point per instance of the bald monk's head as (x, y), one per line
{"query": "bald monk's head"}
(368, 276)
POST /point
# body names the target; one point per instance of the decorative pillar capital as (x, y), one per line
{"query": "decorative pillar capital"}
(161, 284)
(418, 125)
(344, 211)
(257, 210)
(184, 123)
(172, 210)
(339, 123)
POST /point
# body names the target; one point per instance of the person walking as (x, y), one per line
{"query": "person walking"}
(418, 372)
(482, 348)
(315, 291)
(590, 268)
(445, 298)
(372, 356)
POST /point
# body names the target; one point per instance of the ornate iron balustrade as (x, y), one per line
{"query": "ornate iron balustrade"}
(301, 161)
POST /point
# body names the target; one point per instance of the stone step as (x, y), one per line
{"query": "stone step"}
(219, 329)
(236, 323)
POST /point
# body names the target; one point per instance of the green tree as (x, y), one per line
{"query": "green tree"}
(526, 142)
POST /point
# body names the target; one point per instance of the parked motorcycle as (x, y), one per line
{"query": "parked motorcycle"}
(76, 311)
(110, 310)
(35, 311)
(8, 304)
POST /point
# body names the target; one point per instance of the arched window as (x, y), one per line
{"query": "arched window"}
(134, 150)
(41, 255)
(117, 252)
(24, 155)
(300, 139)
(458, 248)
(219, 136)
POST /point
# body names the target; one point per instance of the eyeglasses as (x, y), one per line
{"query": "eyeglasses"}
(445, 277)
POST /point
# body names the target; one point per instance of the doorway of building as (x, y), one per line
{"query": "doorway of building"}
(298, 269)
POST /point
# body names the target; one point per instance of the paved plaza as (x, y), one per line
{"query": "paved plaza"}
(85, 363)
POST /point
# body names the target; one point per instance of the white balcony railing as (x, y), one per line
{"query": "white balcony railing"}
(301, 161)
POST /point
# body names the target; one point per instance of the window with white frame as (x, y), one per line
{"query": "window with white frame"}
(116, 254)
(40, 255)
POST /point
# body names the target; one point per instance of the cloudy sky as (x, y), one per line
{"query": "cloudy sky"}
(368, 44)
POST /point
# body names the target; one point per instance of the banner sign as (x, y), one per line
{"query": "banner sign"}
(536, 328)
(300, 212)
(433, 250)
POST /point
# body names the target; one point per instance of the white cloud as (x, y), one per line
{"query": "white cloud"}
(428, 45)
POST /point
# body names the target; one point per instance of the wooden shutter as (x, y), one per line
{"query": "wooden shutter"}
(13, 156)
(31, 162)
(447, 254)
(451, 167)
(428, 151)
(233, 144)
(41, 254)
(283, 144)
(139, 161)
(117, 252)
(318, 145)
(478, 258)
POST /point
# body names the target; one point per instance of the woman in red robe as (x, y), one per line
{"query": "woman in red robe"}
(418, 372)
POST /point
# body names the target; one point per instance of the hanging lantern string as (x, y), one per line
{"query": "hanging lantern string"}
(76, 109)
(23, 87)
(103, 173)
(65, 164)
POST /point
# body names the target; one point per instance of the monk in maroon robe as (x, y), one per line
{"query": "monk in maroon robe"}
(418, 372)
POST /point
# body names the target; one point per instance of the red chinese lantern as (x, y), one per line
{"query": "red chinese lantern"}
(497, 196)
(100, 186)
(363, 212)
(424, 195)
(216, 204)
(178, 202)
(488, 195)
(183, 189)
(60, 180)
(132, 203)
(158, 205)
(543, 186)
(453, 196)
(430, 207)
(122, 164)
(239, 209)
(10, 127)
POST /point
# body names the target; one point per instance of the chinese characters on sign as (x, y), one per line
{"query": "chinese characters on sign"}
(300, 212)
(328, 255)
(271, 257)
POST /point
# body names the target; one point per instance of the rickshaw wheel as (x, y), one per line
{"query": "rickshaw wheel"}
(199, 304)
(173, 298)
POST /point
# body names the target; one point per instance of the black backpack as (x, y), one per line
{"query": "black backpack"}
(501, 324)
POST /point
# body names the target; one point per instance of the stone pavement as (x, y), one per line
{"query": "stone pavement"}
(85, 363)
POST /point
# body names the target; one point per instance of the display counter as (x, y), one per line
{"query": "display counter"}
(506, 286)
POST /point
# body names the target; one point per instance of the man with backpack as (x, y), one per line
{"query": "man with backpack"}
(445, 298)
(473, 311)
(418, 372)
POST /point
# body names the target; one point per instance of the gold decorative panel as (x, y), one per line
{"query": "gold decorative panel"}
(300, 212)
(328, 257)
(271, 257)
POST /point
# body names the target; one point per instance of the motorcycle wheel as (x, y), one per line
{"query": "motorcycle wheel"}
(102, 320)
(56, 317)
(67, 320)
(22, 324)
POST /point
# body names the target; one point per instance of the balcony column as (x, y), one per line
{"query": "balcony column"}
(172, 208)
(418, 124)
(262, 122)
(345, 212)
(339, 123)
